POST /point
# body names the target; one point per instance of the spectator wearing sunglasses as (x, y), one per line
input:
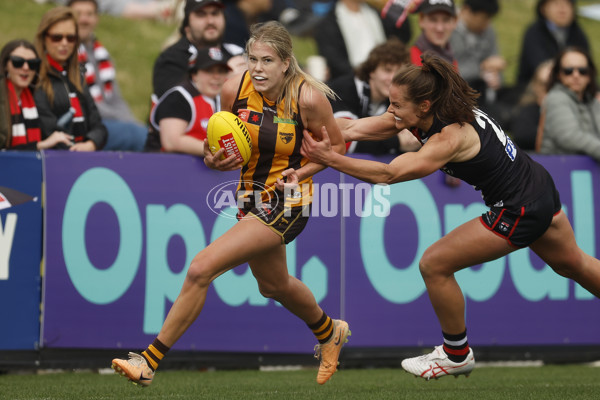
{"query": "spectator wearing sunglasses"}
(19, 63)
(124, 131)
(63, 100)
(570, 122)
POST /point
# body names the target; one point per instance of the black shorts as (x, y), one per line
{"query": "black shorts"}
(287, 222)
(523, 226)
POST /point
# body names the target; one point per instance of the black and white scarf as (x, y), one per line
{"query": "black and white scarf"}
(24, 117)
(106, 71)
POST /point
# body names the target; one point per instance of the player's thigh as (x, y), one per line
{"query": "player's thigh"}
(270, 268)
(557, 246)
(469, 244)
(246, 240)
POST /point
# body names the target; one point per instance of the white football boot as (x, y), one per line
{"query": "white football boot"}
(437, 364)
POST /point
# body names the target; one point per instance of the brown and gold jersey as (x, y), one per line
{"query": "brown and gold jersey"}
(276, 143)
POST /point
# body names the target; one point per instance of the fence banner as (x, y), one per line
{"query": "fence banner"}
(515, 300)
(20, 249)
(121, 232)
(122, 229)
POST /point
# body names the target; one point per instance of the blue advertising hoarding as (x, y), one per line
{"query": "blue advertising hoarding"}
(20, 249)
(515, 300)
(122, 229)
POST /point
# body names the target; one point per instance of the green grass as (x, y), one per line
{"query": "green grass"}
(548, 382)
(135, 45)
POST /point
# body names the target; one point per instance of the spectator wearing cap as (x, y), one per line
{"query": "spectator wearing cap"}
(555, 28)
(203, 26)
(437, 20)
(180, 118)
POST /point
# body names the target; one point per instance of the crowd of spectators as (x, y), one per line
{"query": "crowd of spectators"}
(60, 90)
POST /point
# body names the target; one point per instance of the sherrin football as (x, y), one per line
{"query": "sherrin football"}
(227, 131)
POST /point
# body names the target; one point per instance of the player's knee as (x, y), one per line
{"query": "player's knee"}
(200, 272)
(272, 290)
(426, 269)
(428, 264)
(269, 291)
(569, 265)
(432, 265)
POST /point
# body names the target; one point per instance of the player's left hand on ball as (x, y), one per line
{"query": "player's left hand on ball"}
(214, 161)
(288, 180)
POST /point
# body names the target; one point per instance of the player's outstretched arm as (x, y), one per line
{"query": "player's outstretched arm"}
(408, 166)
(379, 127)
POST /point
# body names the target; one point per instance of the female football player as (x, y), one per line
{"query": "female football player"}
(278, 101)
(525, 210)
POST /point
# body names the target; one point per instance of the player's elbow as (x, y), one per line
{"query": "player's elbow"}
(389, 179)
(339, 148)
(384, 176)
(393, 174)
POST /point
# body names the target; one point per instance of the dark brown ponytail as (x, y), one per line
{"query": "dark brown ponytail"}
(452, 99)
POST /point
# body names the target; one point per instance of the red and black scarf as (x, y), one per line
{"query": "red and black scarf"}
(106, 71)
(77, 126)
(24, 117)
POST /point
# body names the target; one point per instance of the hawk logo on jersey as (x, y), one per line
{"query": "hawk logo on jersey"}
(286, 137)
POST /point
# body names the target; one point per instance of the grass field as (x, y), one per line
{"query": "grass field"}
(134, 45)
(564, 382)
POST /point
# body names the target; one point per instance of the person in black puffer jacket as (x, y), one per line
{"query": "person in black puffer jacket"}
(62, 98)
(556, 27)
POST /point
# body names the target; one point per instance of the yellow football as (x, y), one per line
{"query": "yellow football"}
(226, 131)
